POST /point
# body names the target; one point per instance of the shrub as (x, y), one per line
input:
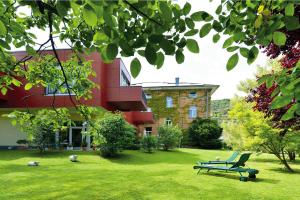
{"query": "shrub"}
(149, 143)
(169, 136)
(111, 134)
(205, 133)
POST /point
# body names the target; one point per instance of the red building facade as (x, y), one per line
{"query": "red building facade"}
(115, 92)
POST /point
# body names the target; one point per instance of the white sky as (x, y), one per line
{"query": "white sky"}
(207, 67)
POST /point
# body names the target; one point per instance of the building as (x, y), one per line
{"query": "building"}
(115, 93)
(177, 103)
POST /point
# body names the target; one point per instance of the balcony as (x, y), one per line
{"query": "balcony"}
(127, 98)
(142, 117)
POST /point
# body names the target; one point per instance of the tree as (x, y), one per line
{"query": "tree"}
(249, 129)
(40, 127)
(169, 136)
(205, 133)
(150, 29)
(111, 134)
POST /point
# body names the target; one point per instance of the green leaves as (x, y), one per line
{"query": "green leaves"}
(160, 60)
(281, 101)
(150, 54)
(232, 62)
(3, 29)
(62, 7)
(192, 45)
(167, 46)
(111, 51)
(135, 67)
(205, 30)
(216, 38)
(279, 38)
(252, 55)
(28, 86)
(201, 15)
(89, 15)
(292, 23)
(3, 90)
(289, 9)
(244, 52)
(165, 10)
(228, 42)
(186, 8)
(179, 56)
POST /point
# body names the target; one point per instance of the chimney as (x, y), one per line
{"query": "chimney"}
(177, 81)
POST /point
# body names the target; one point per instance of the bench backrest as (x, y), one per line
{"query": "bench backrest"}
(233, 156)
(243, 159)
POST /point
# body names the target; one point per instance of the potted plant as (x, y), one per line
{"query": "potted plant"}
(84, 145)
(22, 144)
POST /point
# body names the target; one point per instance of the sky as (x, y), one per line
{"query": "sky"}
(207, 67)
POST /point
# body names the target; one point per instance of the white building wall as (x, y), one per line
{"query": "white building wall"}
(9, 134)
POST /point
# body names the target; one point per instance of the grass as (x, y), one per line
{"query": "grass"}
(138, 175)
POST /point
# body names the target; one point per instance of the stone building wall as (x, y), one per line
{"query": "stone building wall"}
(179, 113)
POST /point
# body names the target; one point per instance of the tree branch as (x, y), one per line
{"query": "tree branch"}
(142, 13)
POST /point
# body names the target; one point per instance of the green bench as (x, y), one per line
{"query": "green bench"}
(236, 167)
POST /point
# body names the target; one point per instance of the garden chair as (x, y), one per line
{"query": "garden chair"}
(230, 160)
(236, 167)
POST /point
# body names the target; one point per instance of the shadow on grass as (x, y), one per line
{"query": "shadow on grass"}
(167, 157)
(274, 160)
(284, 171)
(229, 175)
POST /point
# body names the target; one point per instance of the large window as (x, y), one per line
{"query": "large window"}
(193, 112)
(124, 80)
(168, 121)
(169, 101)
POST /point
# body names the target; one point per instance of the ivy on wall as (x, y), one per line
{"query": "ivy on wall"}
(181, 104)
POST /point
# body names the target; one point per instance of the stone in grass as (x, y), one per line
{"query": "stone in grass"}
(33, 163)
(73, 158)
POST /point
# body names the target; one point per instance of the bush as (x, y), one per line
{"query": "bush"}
(112, 134)
(135, 145)
(205, 133)
(149, 143)
(169, 136)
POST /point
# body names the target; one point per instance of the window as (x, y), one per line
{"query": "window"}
(62, 91)
(193, 112)
(149, 109)
(168, 121)
(148, 96)
(169, 101)
(148, 130)
(124, 80)
(193, 95)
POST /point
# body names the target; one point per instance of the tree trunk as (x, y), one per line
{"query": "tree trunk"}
(285, 163)
(292, 155)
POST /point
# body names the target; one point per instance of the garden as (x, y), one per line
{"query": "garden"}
(139, 175)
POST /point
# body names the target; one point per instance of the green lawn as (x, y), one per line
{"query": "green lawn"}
(138, 175)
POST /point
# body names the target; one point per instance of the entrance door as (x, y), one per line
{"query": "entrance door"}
(76, 137)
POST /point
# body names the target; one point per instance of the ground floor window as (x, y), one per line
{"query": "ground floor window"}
(168, 121)
(148, 130)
